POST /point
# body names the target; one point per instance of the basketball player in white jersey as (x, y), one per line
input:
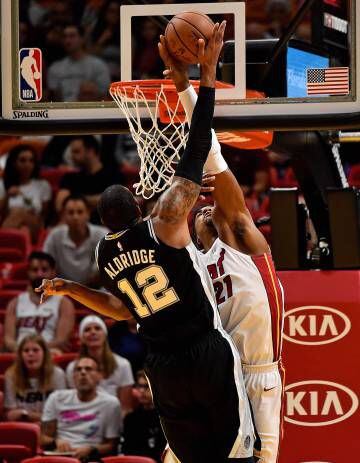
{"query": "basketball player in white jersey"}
(248, 292)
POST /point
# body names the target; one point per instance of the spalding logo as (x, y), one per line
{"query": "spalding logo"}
(319, 403)
(315, 325)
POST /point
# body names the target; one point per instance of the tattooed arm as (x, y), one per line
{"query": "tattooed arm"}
(171, 211)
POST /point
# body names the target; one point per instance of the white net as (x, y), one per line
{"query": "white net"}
(158, 146)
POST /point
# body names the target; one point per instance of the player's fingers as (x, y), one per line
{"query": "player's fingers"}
(207, 179)
(221, 30)
(201, 50)
(206, 189)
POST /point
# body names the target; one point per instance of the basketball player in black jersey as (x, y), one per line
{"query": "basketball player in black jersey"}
(155, 274)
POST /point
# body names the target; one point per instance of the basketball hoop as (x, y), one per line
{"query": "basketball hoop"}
(159, 146)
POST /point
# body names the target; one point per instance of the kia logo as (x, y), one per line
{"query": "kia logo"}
(319, 403)
(315, 325)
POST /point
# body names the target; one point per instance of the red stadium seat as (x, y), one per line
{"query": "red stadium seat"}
(6, 359)
(354, 176)
(14, 453)
(54, 176)
(62, 360)
(2, 315)
(18, 240)
(18, 441)
(1, 404)
(2, 381)
(51, 459)
(128, 459)
(14, 276)
(6, 295)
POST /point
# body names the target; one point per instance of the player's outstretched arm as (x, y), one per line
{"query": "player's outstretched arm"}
(99, 301)
(173, 207)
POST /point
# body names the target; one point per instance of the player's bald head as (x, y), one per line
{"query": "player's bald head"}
(118, 208)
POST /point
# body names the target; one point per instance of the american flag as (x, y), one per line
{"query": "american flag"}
(330, 81)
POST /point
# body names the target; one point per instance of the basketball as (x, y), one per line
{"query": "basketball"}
(183, 32)
(37, 75)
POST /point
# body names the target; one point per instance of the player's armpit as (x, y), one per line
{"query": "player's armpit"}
(241, 233)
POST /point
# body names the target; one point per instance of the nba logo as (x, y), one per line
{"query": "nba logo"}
(30, 74)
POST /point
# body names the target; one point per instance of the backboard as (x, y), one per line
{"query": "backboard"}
(302, 55)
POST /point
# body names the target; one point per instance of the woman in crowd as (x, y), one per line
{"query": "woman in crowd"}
(24, 197)
(117, 377)
(30, 380)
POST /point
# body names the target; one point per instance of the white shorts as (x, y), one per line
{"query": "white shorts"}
(264, 386)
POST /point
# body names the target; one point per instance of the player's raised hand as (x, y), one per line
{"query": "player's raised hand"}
(208, 55)
(54, 287)
(175, 70)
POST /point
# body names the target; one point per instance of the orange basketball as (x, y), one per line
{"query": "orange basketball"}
(183, 32)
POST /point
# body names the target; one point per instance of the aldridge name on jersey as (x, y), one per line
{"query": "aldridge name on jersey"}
(129, 259)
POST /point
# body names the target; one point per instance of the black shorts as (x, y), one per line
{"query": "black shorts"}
(195, 393)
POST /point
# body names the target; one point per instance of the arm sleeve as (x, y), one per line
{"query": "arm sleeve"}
(9, 393)
(49, 412)
(197, 148)
(59, 379)
(113, 424)
(70, 375)
(215, 162)
(124, 376)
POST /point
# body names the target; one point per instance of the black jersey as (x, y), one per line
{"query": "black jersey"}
(167, 290)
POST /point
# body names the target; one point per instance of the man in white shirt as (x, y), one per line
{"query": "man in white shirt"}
(73, 243)
(66, 76)
(54, 320)
(83, 421)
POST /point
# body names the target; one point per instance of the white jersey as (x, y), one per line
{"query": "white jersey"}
(37, 319)
(250, 300)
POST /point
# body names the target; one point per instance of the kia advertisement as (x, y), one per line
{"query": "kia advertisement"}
(321, 355)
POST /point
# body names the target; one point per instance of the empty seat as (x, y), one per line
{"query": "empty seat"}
(62, 360)
(51, 459)
(128, 459)
(18, 441)
(17, 240)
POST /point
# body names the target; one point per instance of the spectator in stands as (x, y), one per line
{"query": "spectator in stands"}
(147, 62)
(65, 76)
(83, 420)
(24, 197)
(125, 341)
(278, 15)
(106, 37)
(143, 434)
(117, 378)
(73, 243)
(93, 177)
(53, 319)
(30, 380)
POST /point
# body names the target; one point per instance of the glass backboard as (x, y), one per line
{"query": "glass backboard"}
(301, 55)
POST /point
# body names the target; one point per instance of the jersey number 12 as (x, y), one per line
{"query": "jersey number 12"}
(155, 291)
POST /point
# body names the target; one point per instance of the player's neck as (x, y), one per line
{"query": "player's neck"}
(208, 240)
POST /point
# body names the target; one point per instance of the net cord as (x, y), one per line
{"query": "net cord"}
(158, 147)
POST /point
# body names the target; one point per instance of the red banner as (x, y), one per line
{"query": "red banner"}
(321, 352)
